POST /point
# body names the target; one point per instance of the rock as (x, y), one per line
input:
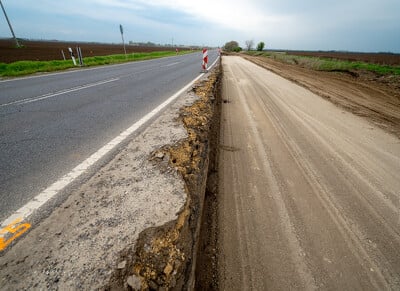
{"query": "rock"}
(134, 282)
(168, 269)
(121, 265)
(159, 155)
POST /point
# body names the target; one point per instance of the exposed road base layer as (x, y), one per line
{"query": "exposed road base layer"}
(165, 256)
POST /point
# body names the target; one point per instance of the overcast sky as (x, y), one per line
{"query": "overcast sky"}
(353, 25)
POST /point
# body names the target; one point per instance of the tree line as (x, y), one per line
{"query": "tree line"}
(233, 46)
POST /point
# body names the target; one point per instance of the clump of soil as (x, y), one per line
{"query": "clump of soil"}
(165, 257)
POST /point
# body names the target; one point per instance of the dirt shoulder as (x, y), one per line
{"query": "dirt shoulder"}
(376, 98)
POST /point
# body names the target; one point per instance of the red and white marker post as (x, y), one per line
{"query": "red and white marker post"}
(205, 59)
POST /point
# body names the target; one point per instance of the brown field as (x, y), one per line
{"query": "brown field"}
(376, 58)
(51, 50)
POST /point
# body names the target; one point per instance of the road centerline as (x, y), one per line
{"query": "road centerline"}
(171, 64)
(61, 92)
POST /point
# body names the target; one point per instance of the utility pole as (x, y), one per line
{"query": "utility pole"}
(122, 35)
(9, 24)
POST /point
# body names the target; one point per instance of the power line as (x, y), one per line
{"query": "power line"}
(9, 24)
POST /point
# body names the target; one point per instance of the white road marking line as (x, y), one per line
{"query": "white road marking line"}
(172, 64)
(65, 91)
(25, 211)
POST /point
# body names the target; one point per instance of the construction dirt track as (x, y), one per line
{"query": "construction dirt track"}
(374, 97)
(309, 192)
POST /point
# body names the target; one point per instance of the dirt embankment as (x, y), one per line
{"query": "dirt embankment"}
(374, 97)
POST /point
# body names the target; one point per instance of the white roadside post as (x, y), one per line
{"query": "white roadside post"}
(72, 55)
(80, 58)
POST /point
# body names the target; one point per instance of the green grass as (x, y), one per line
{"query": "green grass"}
(21, 68)
(325, 64)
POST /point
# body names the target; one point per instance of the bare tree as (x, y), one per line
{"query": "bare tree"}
(249, 44)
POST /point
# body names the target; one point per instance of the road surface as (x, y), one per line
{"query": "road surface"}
(51, 123)
(309, 193)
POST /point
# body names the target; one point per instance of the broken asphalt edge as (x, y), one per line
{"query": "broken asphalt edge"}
(165, 256)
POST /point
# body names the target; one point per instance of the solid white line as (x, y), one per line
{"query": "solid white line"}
(50, 95)
(25, 211)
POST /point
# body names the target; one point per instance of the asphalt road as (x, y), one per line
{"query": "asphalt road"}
(51, 123)
(309, 193)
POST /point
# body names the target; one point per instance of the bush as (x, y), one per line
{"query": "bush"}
(260, 46)
(237, 49)
(231, 46)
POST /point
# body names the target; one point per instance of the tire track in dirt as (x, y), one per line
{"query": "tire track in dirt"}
(337, 179)
(376, 98)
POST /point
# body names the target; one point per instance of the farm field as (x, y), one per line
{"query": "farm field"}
(51, 50)
(375, 58)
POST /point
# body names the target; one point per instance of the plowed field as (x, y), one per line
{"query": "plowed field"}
(376, 58)
(51, 50)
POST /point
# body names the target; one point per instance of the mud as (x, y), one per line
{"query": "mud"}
(165, 257)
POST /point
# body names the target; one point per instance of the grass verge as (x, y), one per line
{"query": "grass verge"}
(327, 64)
(22, 68)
